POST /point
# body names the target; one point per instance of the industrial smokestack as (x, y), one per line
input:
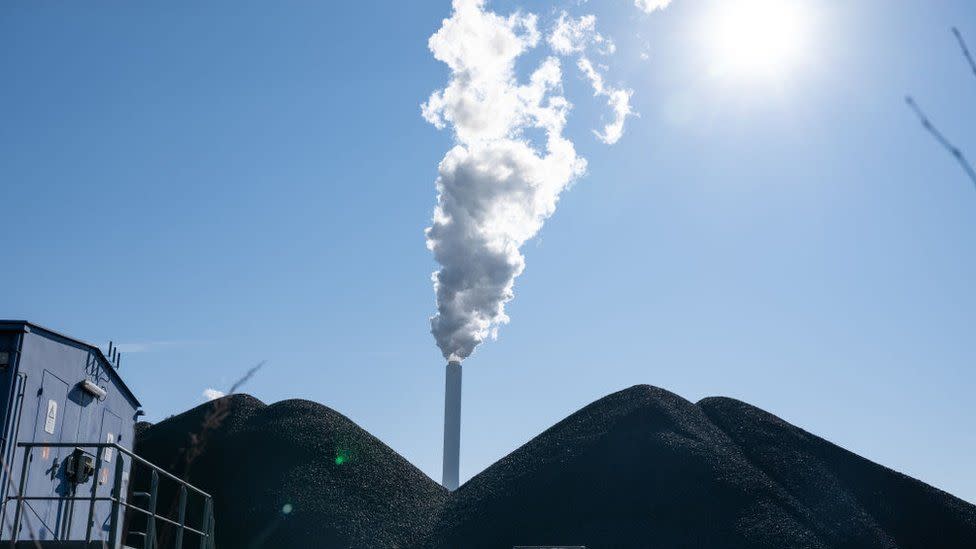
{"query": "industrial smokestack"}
(452, 425)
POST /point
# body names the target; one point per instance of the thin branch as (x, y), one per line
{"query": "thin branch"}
(946, 144)
(246, 377)
(219, 410)
(965, 50)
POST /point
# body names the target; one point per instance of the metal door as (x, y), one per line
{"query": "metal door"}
(108, 428)
(46, 463)
(110, 432)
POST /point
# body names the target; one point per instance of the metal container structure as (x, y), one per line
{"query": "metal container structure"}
(58, 390)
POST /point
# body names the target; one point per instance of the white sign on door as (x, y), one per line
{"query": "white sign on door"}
(107, 454)
(52, 417)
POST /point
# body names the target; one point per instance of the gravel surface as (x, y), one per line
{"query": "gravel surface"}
(639, 468)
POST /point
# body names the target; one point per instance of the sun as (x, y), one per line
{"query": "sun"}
(756, 38)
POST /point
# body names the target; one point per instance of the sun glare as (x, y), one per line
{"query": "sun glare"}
(756, 38)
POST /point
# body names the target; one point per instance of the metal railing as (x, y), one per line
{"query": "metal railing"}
(117, 498)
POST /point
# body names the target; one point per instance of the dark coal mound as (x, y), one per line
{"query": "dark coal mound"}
(294, 474)
(646, 468)
(852, 502)
(639, 468)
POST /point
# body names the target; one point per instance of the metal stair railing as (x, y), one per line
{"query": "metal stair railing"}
(205, 533)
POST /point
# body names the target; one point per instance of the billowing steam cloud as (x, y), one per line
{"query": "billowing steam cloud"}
(618, 100)
(495, 187)
(649, 6)
(575, 36)
(571, 35)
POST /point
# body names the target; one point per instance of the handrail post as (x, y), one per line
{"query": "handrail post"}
(213, 528)
(179, 531)
(20, 494)
(207, 526)
(151, 521)
(94, 494)
(113, 535)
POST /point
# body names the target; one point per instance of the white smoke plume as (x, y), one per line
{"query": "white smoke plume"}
(571, 36)
(575, 36)
(617, 98)
(496, 187)
(648, 6)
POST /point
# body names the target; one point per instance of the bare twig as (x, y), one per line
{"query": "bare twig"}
(965, 50)
(213, 420)
(219, 411)
(934, 131)
(941, 139)
(246, 377)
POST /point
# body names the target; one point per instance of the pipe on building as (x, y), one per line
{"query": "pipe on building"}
(452, 425)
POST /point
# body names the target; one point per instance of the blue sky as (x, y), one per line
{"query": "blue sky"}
(218, 184)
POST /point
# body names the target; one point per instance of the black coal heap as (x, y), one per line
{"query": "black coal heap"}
(639, 468)
(293, 474)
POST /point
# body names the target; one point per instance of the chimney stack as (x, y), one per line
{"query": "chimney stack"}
(452, 425)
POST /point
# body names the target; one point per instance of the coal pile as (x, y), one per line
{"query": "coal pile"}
(639, 468)
(293, 474)
(852, 502)
(646, 468)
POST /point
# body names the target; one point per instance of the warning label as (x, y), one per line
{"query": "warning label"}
(107, 454)
(52, 417)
